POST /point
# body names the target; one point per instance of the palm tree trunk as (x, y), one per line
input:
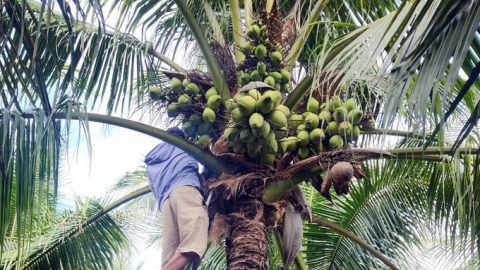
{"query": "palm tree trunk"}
(247, 244)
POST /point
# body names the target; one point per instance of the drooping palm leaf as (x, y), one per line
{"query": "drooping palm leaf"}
(71, 239)
(402, 56)
(377, 211)
(29, 162)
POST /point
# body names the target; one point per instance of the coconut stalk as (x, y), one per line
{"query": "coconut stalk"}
(248, 7)
(237, 29)
(304, 33)
(299, 262)
(308, 168)
(217, 31)
(299, 93)
(210, 59)
(165, 59)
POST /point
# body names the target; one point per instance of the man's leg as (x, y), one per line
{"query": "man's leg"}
(171, 238)
(192, 219)
(179, 260)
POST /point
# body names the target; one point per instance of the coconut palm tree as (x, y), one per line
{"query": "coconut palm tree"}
(410, 64)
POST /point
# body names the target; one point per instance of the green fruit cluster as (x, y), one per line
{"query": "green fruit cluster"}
(324, 127)
(258, 123)
(268, 59)
(193, 105)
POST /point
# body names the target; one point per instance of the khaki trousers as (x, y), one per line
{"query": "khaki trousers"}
(184, 223)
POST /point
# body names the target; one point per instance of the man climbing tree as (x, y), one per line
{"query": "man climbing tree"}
(175, 183)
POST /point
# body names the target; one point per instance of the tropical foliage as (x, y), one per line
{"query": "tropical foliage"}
(410, 65)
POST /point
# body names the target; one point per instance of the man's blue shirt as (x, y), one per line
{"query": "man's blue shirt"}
(168, 167)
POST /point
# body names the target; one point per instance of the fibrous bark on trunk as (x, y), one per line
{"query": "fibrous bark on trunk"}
(247, 244)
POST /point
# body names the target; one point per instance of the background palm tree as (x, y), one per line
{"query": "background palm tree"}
(401, 61)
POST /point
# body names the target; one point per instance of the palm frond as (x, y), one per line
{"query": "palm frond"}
(67, 240)
(75, 59)
(395, 45)
(29, 162)
(389, 225)
(73, 248)
(214, 258)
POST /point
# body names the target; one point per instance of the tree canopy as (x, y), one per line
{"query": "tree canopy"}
(412, 66)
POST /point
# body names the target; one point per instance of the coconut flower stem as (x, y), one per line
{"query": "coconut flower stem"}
(276, 190)
(296, 95)
(237, 29)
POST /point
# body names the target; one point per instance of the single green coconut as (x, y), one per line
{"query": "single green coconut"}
(246, 105)
(312, 105)
(214, 102)
(253, 32)
(256, 120)
(317, 135)
(246, 48)
(173, 110)
(332, 128)
(276, 58)
(184, 101)
(269, 80)
(335, 142)
(192, 89)
(176, 85)
(303, 152)
(212, 91)
(303, 138)
(196, 119)
(203, 140)
(155, 93)
(350, 104)
(203, 128)
(255, 76)
(285, 76)
(261, 68)
(260, 52)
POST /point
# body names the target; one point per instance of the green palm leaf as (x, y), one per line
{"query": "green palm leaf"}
(380, 210)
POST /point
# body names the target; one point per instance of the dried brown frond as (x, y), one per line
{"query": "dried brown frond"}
(328, 83)
(275, 25)
(229, 186)
(358, 172)
(275, 213)
(284, 161)
(325, 160)
(220, 147)
(219, 228)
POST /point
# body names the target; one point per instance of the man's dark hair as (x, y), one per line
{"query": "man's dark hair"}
(176, 131)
